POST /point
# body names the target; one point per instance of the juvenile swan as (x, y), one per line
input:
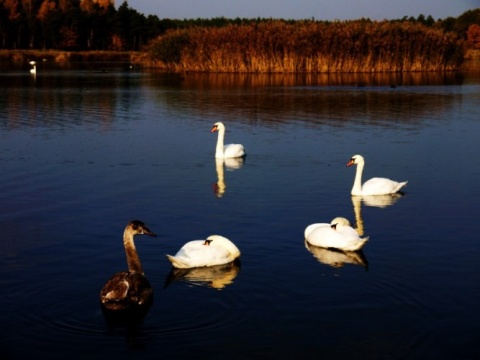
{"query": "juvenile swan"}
(128, 289)
(226, 151)
(336, 235)
(374, 186)
(215, 250)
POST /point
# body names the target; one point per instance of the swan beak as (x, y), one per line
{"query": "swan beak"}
(351, 162)
(334, 226)
(214, 128)
(207, 242)
(146, 231)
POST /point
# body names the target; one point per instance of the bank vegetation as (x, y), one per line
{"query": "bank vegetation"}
(308, 46)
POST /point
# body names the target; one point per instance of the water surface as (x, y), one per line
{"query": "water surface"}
(82, 152)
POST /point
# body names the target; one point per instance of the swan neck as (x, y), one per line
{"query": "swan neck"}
(357, 183)
(220, 141)
(133, 260)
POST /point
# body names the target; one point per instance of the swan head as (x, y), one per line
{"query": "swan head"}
(217, 127)
(137, 227)
(223, 242)
(339, 221)
(356, 160)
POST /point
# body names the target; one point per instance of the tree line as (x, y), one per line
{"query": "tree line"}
(98, 25)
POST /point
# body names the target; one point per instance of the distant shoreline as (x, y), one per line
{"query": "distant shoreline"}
(19, 57)
(137, 58)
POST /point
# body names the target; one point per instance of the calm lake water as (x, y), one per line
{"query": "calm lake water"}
(82, 152)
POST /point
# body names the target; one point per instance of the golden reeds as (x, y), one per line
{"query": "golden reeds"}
(308, 46)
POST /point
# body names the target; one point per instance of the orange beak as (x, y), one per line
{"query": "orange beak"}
(214, 128)
(350, 162)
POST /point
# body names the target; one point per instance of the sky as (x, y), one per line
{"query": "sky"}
(301, 9)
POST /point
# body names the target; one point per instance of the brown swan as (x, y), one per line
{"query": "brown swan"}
(129, 290)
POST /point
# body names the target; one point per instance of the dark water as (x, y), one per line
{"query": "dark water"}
(82, 152)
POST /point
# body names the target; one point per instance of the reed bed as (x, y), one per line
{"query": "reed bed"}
(308, 46)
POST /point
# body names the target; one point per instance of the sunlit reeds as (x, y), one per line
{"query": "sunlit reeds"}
(308, 46)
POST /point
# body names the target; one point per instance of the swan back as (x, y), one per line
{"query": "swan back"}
(340, 221)
(224, 243)
(215, 250)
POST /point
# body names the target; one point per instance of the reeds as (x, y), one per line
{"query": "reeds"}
(308, 46)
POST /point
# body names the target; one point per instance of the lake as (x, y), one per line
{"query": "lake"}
(84, 151)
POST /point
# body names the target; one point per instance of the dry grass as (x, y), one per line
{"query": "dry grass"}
(308, 46)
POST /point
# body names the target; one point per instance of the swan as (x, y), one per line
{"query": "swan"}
(215, 250)
(337, 235)
(33, 70)
(374, 186)
(128, 289)
(226, 151)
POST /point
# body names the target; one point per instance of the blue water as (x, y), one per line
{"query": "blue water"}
(83, 152)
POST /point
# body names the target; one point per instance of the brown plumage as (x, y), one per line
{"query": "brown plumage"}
(129, 289)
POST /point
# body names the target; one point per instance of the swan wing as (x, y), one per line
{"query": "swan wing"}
(310, 228)
(233, 151)
(196, 254)
(381, 186)
(343, 238)
(349, 239)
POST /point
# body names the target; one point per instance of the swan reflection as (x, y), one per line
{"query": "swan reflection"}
(380, 201)
(337, 258)
(216, 277)
(232, 164)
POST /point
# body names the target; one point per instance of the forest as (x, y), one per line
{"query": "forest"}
(240, 45)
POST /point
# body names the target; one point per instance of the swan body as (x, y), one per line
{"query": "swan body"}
(215, 250)
(226, 151)
(128, 289)
(336, 235)
(33, 70)
(374, 186)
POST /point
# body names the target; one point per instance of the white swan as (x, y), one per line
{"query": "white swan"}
(337, 235)
(226, 151)
(215, 250)
(374, 186)
(33, 70)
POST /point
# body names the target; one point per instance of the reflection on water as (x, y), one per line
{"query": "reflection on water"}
(380, 201)
(83, 151)
(215, 277)
(232, 164)
(337, 258)
(324, 99)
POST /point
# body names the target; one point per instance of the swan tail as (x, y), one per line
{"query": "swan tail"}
(400, 186)
(360, 244)
(177, 263)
